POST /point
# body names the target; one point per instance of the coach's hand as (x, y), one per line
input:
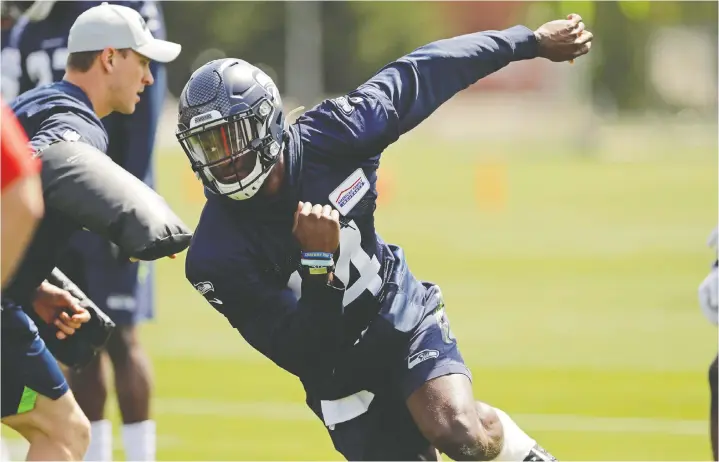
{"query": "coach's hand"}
(563, 39)
(317, 227)
(50, 304)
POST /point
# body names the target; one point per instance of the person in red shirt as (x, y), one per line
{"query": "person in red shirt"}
(22, 204)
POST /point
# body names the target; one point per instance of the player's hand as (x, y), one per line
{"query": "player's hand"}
(563, 39)
(50, 304)
(317, 227)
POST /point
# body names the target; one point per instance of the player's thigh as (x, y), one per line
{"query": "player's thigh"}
(59, 419)
(433, 378)
(32, 382)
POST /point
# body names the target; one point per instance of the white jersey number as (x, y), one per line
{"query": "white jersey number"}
(40, 65)
(351, 251)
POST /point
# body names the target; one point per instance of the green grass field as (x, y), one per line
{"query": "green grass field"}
(570, 283)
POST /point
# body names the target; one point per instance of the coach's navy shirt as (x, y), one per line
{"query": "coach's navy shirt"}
(244, 258)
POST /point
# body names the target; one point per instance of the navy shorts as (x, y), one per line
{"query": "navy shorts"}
(123, 290)
(377, 425)
(27, 367)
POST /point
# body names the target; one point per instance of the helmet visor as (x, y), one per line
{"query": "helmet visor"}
(225, 149)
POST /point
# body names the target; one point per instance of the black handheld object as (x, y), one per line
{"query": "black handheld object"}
(77, 350)
(86, 186)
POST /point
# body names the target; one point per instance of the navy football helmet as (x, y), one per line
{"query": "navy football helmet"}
(230, 125)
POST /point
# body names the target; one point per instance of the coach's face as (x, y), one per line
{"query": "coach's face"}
(129, 79)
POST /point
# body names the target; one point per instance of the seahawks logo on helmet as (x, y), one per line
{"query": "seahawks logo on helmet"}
(204, 287)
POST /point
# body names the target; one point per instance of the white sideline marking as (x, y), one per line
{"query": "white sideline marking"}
(531, 422)
(287, 411)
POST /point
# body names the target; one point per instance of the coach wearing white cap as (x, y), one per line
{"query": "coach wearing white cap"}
(110, 48)
(108, 67)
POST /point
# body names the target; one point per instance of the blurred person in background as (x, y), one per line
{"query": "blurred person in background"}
(122, 289)
(286, 247)
(708, 301)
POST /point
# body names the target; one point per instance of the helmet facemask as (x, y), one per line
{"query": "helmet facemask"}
(233, 155)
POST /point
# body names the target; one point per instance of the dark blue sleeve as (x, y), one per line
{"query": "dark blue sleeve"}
(407, 91)
(69, 126)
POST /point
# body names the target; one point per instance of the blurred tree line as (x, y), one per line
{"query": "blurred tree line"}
(358, 38)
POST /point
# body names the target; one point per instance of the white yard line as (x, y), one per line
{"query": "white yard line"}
(287, 411)
(531, 422)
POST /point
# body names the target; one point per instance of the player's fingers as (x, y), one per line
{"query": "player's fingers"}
(335, 215)
(579, 29)
(574, 18)
(74, 305)
(75, 321)
(297, 215)
(60, 335)
(586, 37)
(64, 327)
(326, 211)
(317, 210)
(73, 324)
(306, 208)
(81, 317)
(66, 299)
(583, 49)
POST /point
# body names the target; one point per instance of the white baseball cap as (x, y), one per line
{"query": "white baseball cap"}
(115, 26)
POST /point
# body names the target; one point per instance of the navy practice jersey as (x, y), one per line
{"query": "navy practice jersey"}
(55, 112)
(244, 258)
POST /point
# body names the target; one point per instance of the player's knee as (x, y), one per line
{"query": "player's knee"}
(462, 436)
(63, 422)
(76, 433)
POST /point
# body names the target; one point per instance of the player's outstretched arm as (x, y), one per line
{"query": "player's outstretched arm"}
(407, 91)
(418, 83)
